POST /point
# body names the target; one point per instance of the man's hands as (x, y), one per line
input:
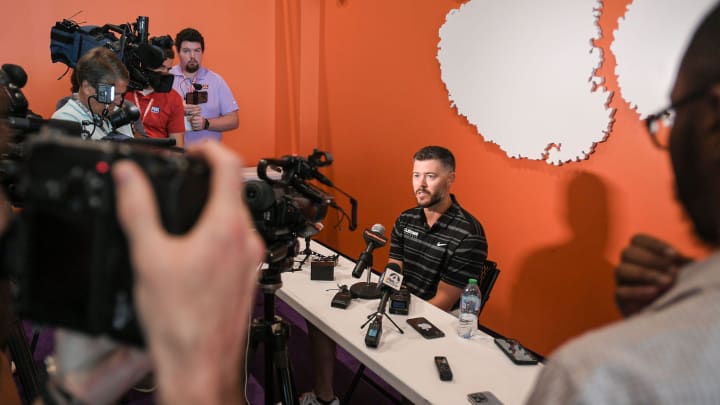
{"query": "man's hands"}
(194, 292)
(194, 116)
(648, 267)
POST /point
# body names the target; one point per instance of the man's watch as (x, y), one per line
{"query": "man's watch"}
(207, 124)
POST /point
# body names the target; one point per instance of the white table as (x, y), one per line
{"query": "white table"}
(406, 361)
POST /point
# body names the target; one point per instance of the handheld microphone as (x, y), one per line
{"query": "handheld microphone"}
(390, 281)
(374, 238)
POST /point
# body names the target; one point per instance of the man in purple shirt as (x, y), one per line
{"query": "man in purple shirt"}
(210, 106)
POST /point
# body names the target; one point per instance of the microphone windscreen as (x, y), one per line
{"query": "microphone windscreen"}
(378, 228)
(16, 74)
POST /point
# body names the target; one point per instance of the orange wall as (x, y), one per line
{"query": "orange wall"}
(360, 79)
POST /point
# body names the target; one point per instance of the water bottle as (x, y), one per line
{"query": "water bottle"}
(469, 308)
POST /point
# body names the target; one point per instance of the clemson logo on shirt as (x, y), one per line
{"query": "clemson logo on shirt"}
(411, 233)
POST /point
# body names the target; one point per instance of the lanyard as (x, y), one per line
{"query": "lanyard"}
(147, 109)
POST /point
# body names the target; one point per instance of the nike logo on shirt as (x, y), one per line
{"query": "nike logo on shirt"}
(441, 244)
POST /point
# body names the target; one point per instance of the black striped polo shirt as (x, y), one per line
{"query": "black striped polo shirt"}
(453, 250)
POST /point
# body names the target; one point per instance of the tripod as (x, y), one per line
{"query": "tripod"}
(271, 330)
(374, 333)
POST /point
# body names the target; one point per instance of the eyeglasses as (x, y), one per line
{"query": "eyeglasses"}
(660, 124)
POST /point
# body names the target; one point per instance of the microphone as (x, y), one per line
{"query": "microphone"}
(374, 238)
(390, 281)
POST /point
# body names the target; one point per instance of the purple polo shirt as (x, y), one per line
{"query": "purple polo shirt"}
(220, 99)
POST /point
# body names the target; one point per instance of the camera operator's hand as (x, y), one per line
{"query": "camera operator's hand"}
(96, 370)
(648, 267)
(194, 292)
(192, 110)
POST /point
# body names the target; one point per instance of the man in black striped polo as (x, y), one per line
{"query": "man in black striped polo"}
(438, 245)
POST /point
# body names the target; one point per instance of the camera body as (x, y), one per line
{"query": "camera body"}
(196, 97)
(69, 41)
(283, 204)
(69, 254)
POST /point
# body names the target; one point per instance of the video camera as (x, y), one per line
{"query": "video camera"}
(285, 206)
(66, 249)
(69, 41)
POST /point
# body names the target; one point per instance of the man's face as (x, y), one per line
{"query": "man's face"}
(431, 182)
(87, 90)
(190, 56)
(691, 165)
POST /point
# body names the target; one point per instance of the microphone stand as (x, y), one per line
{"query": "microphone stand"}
(374, 333)
(379, 316)
(366, 289)
(307, 252)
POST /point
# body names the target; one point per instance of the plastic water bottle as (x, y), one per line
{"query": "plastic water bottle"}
(469, 308)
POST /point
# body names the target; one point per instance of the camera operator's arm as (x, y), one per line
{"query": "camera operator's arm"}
(194, 292)
(222, 123)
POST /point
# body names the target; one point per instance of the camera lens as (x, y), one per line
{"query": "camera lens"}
(259, 195)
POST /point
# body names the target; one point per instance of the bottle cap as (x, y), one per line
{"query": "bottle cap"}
(472, 281)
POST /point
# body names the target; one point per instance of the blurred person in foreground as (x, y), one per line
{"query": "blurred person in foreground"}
(665, 351)
(196, 346)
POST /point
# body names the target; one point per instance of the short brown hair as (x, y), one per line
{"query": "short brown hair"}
(100, 65)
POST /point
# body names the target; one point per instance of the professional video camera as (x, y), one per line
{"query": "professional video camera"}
(66, 248)
(285, 206)
(69, 41)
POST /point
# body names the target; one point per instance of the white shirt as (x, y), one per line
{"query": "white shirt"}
(74, 111)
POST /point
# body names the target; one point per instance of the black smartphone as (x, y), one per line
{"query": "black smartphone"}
(483, 398)
(425, 328)
(516, 352)
(196, 97)
(443, 368)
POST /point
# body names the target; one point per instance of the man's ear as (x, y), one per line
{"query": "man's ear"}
(451, 178)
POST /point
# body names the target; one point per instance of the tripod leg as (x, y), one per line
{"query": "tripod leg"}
(286, 382)
(257, 328)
